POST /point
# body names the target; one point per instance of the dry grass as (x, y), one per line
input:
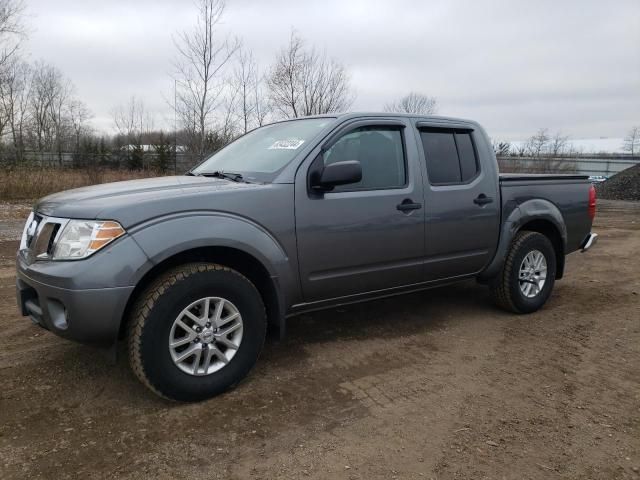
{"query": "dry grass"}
(20, 183)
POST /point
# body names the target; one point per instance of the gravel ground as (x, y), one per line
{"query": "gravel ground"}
(11, 229)
(437, 384)
(12, 219)
(622, 186)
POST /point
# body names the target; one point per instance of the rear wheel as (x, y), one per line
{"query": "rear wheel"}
(196, 331)
(528, 274)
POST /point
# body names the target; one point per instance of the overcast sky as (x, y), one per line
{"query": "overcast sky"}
(515, 66)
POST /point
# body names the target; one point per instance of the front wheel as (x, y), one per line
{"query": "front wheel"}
(528, 274)
(196, 331)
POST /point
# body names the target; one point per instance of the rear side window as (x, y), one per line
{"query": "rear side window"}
(441, 156)
(467, 156)
(450, 156)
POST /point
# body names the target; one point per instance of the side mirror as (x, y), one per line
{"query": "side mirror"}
(339, 173)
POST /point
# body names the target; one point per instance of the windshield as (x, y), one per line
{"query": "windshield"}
(264, 151)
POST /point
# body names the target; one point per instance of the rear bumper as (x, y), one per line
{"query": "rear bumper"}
(89, 316)
(589, 242)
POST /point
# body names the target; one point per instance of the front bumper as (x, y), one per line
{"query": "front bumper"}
(83, 300)
(87, 316)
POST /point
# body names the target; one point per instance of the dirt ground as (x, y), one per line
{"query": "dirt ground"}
(436, 385)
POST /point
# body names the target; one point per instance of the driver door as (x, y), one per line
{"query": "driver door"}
(369, 235)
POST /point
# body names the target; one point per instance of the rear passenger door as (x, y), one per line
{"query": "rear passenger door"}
(461, 204)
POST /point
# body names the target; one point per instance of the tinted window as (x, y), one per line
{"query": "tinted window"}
(380, 152)
(450, 156)
(441, 156)
(467, 155)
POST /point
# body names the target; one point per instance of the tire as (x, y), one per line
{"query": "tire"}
(506, 287)
(171, 297)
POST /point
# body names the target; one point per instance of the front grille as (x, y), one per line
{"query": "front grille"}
(44, 239)
(40, 243)
(32, 229)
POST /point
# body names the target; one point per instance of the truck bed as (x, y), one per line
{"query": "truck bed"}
(569, 193)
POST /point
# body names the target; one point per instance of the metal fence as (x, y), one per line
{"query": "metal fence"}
(600, 164)
(180, 162)
(588, 164)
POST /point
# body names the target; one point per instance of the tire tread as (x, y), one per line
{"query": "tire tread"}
(145, 303)
(500, 287)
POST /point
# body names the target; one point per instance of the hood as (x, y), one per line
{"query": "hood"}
(106, 201)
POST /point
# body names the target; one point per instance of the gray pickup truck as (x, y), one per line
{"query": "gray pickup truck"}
(295, 216)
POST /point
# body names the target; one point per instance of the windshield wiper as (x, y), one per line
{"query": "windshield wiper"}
(234, 177)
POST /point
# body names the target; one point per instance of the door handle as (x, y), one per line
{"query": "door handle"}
(407, 205)
(482, 199)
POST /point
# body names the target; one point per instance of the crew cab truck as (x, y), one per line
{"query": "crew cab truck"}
(294, 216)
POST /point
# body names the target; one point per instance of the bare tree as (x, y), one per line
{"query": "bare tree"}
(11, 32)
(305, 82)
(253, 106)
(11, 28)
(15, 86)
(284, 79)
(558, 144)
(5, 101)
(541, 153)
(501, 149)
(200, 82)
(261, 102)
(414, 103)
(38, 109)
(57, 117)
(47, 86)
(538, 143)
(245, 78)
(132, 121)
(632, 141)
(227, 125)
(59, 114)
(79, 115)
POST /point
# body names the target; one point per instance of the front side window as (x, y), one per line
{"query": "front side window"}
(266, 150)
(380, 151)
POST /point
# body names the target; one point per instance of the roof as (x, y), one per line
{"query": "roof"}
(348, 115)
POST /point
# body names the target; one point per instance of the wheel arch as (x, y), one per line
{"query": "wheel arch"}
(237, 259)
(538, 215)
(549, 230)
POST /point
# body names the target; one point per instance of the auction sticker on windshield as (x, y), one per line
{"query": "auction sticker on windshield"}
(289, 144)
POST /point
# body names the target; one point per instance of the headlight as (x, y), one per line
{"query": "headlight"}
(81, 238)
